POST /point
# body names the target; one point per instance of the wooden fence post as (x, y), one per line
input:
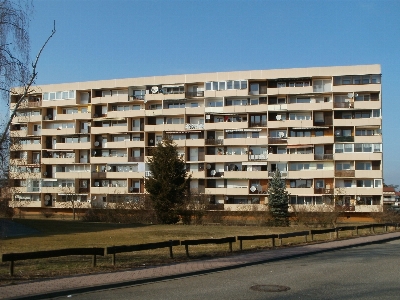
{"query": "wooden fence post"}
(171, 255)
(273, 242)
(230, 246)
(11, 268)
(187, 250)
(113, 259)
(337, 233)
(241, 245)
(94, 260)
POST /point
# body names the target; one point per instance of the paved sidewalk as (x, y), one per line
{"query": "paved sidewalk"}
(43, 289)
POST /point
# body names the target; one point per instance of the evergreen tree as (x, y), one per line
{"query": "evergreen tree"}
(278, 200)
(168, 183)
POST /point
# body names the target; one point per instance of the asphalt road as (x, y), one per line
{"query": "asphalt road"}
(369, 272)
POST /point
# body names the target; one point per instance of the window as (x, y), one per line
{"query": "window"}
(281, 84)
(363, 166)
(320, 166)
(357, 79)
(347, 183)
(319, 133)
(319, 183)
(299, 116)
(299, 166)
(343, 166)
(301, 183)
(364, 183)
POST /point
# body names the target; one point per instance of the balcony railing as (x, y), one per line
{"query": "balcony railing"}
(253, 157)
(323, 156)
(98, 175)
(214, 142)
(345, 173)
(83, 190)
(136, 159)
(323, 191)
(277, 140)
(349, 139)
(194, 126)
(137, 97)
(215, 207)
(345, 207)
(195, 94)
(283, 173)
(343, 105)
(258, 124)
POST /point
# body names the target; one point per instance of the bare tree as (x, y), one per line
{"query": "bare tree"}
(15, 68)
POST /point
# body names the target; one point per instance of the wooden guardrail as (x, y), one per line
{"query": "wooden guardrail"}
(12, 257)
(229, 240)
(113, 250)
(293, 234)
(321, 231)
(242, 238)
(140, 247)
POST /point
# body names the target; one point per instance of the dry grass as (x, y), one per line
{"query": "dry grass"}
(57, 234)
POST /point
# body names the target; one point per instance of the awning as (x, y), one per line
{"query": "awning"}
(49, 179)
(299, 146)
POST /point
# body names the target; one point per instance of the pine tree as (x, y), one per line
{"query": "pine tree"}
(278, 200)
(168, 183)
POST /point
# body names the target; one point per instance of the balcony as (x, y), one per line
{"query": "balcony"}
(323, 156)
(195, 94)
(257, 157)
(343, 105)
(214, 142)
(345, 207)
(283, 173)
(99, 175)
(258, 124)
(136, 159)
(189, 126)
(277, 140)
(345, 173)
(348, 139)
(323, 191)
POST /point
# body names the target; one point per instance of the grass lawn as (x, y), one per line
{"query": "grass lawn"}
(58, 234)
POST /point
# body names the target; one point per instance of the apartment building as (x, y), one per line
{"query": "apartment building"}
(320, 127)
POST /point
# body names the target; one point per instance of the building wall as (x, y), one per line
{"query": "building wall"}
(321, 127)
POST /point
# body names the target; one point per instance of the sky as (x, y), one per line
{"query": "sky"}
(109, 39)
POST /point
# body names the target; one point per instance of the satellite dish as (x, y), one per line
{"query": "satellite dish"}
(226, 198)
(208, 166)
(131, 189)
(253, 188)
(96, 143)
(154, 90)
(350, 95)
(213, 172)
(281, 134)
(47, 198)
(278, 117)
